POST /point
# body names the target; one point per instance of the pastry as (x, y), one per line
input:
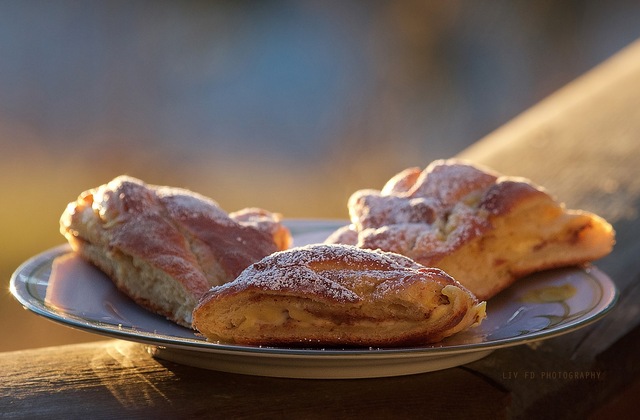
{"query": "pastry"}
(337, 295)
(165, 247)
(484, 229)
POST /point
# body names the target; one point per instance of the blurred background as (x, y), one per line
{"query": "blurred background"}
(285, 105)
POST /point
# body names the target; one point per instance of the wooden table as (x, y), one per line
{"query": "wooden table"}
(581, 144)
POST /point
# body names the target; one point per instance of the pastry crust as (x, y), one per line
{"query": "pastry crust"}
(483, 228)
(165, 247)
(337, 295)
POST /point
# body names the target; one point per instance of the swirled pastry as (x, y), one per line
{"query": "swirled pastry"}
(165, 247)
(337, 295)
(484, 229)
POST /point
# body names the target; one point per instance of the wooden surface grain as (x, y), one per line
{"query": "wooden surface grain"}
(581, 144)
(114, 378)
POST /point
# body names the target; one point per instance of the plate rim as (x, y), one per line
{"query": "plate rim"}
(18, 287)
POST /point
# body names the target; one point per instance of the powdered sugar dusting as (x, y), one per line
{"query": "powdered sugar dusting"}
(449, 181)
(257, 218)
(401, 182)
(371, 209)
(427, 219)
(341, 273)
(184, 204)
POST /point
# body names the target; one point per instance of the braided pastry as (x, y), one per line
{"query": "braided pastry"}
(165, 247)
(484, 229)
(337, 295)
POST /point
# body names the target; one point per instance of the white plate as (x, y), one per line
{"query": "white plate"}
(60, 286)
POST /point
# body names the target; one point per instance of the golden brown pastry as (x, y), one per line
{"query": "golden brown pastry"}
(484, 229)
(337, 295)
(165, 247)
